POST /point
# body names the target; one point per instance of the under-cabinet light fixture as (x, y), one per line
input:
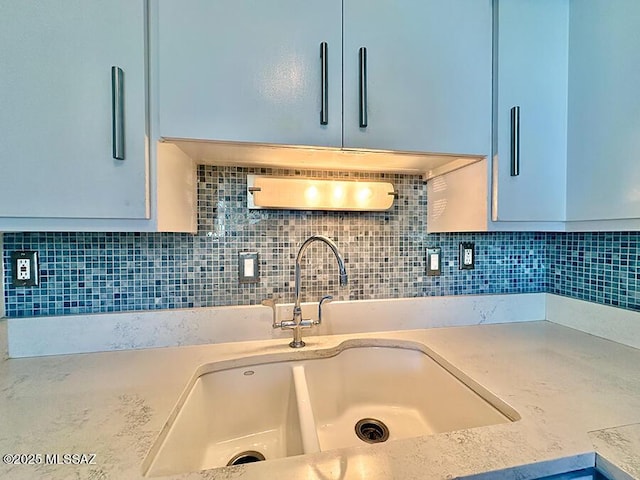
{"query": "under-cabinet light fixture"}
(295, 193)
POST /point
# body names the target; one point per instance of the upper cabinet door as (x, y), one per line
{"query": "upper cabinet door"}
(532, 59)
(56, 115)
(428, 75)
(250, 71)
(604, 110)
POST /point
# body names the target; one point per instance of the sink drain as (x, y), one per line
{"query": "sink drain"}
(249, 456)
(371, 430)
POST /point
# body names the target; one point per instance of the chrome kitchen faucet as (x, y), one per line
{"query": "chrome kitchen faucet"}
(298, 323)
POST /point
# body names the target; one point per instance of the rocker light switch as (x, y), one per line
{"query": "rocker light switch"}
(249, 270)
(434, 260)
(248, 267)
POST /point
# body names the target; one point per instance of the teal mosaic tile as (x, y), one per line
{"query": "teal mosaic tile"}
(599, 267)
(384, 254)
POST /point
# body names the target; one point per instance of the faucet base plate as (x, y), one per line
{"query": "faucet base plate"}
(297, 344)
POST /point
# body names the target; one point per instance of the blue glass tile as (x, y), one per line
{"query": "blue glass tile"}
(384, 252)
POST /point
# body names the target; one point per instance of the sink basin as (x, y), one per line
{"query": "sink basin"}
(229, 412)
(405, 389)
(363, 391)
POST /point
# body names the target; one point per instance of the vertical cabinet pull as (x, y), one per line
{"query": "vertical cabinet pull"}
(515, 141)
(324, 85)
(363, 87)
(117, 112)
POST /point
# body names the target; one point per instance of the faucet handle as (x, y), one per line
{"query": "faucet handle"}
(271, 302)
(325, 299)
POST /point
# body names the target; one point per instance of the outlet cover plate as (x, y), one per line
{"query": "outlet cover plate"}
(24, 269)
(467, 257)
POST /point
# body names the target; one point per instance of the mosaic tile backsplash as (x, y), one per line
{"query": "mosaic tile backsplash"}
(384, 254)
(598, 267)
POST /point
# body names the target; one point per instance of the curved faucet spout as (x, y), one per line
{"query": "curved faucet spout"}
(334, 248)
(297, 311)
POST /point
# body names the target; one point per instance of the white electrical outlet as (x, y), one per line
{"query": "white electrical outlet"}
(24, 266)
(466, 256)
(24, 269)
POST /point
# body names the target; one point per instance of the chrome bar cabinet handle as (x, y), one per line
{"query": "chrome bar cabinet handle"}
(117, 112)
(363, 87)
(515, 141)
(324, 87)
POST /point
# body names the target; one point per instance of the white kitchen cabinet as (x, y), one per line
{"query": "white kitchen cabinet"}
(532, 74)
(604, 111)
(243, 71)
(247, 71)
(573, 68)
(428, 75)
(56, 134)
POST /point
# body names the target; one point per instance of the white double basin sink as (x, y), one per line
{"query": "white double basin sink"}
(363, 391)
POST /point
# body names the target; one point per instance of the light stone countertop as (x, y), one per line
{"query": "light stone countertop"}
(576, 393)
(618, 449)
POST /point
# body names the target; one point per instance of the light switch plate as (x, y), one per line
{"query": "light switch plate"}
(24, 269)
(248, 271)
(434, 261)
